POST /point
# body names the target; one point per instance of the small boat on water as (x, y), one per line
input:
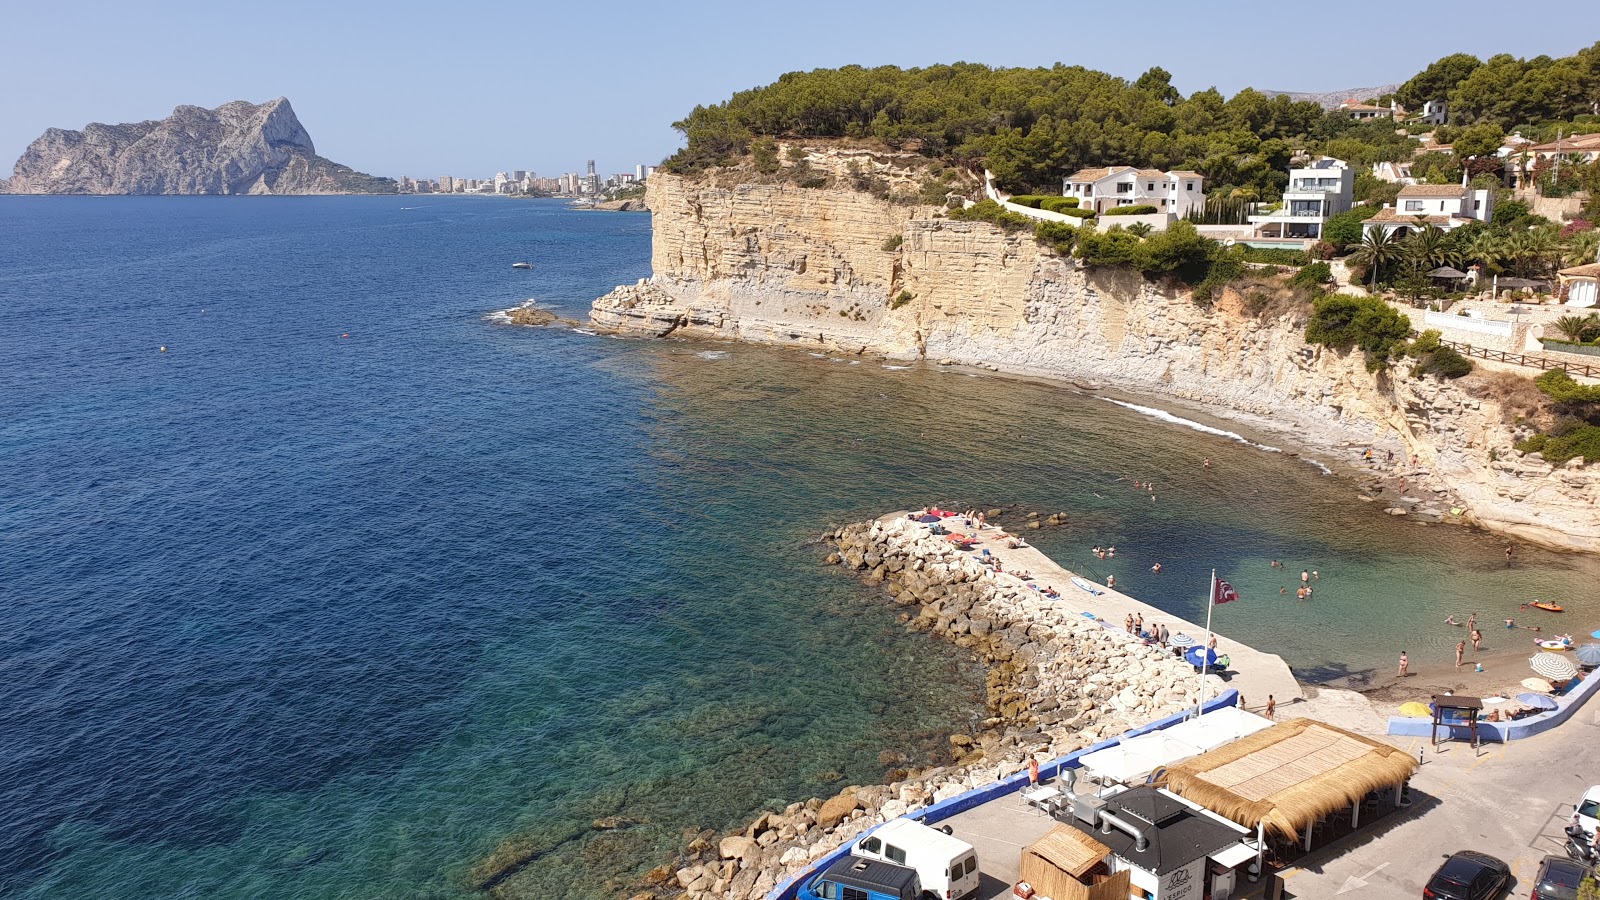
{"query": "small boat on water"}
(1087, 585)
(1547, 607)
(522, 265)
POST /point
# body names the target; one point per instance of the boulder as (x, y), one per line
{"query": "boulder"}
(737, 846)
(836, 810)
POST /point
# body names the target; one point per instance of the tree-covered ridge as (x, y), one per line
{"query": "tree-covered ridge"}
(1032, 126)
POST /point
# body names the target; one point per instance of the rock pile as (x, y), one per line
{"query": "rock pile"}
(1057, 682)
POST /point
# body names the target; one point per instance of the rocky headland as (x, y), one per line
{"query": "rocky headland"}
(1056, 682)
(741, 255)
(237, 148)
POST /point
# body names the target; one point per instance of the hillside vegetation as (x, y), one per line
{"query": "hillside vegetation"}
(1031, 126)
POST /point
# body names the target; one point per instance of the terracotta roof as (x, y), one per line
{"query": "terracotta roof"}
(1592, 270)
(1575, 144)
(1152, 173)
(1433, 190)
(1389, 216)
(1093, 174)
(1185, 173)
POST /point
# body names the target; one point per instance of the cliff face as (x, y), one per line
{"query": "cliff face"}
(820, 268)
(237, 148)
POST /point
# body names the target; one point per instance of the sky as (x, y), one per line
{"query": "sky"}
(471, 88)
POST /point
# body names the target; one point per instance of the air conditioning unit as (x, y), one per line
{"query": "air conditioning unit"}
(1086, 809)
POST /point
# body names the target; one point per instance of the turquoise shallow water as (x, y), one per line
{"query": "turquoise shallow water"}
(290, 614)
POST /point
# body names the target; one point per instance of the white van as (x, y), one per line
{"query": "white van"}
(947, 866)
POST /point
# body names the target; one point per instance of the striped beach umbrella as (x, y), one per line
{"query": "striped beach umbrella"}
(1588, 655)
(1553, 666)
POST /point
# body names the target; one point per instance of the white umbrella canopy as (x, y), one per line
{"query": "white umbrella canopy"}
(1120, 764)
(1163, 746)
(1537, 684)
(1553, 666)
(1219, 727)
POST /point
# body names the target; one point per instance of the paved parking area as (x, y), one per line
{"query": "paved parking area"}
(1508, 800)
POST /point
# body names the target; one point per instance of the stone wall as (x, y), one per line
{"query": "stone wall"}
(817, 268)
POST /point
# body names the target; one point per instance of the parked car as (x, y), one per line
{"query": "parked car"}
(854, 878)
(1588, 811)
(947, 866)
(1468, 875)
(1558, 879)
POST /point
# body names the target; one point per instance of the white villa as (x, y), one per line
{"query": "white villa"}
(1435, 112)
(1101, 189)
(1316, 192)
(1355, 109)
(1449, 206)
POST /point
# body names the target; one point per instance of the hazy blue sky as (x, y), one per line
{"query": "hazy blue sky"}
(469, 88)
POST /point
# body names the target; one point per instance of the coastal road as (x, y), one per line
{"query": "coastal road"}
(1508, 800)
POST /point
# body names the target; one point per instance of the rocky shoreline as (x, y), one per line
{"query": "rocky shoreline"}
(1056, 682)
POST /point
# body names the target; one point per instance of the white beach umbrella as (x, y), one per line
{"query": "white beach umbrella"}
(1553, 666)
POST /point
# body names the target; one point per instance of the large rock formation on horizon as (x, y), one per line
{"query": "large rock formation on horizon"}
(1331, 99)
(237, 148)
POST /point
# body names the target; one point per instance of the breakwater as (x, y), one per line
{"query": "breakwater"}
(1057, 681)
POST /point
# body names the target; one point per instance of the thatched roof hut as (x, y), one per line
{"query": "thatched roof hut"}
(1067, 864)
(1288, 776)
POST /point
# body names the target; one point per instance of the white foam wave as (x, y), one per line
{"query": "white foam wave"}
(500, 317)
(1165, 416)
(583, 331)
(713, 354)
(896, 368)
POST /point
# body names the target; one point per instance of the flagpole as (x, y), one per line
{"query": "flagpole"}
(1205, 649)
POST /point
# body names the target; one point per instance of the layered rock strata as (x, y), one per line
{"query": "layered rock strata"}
(1057, 682)
(237, 148)
(840, 270)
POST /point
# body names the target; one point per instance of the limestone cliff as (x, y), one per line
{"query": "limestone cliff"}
(838, 269)
(237, 148)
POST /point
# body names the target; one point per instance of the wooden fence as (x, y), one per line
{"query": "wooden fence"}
(1519, 359)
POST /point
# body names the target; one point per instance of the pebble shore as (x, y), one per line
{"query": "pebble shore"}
(1057, 681)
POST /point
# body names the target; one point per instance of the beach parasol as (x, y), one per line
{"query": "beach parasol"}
(925, 519)
(1447, 272)
(1588, 655)
(1518, 283)
(1181, 640)
(1201, 656)
(1537, 684)
(1416, 710)
(1594, 634)
(1553, 666)
(1537, 701)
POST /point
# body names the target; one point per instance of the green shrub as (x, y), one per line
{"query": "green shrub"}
(1562, 388)
(1227, 266)
(1058, 236)
(1426, 342)
(765, 152)
(1137, 209)
(1557, 450)
(1444, 362)
(1107, 248)
(901, 299)
(1032, 201)
(993, 213)
(1344, 322)
(1059, 204)
(1344, 229)
(893, 243)
(1312, 276)
(1077, 213)
(1277, 256)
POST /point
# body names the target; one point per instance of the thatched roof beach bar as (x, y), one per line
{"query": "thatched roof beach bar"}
(1288, 779)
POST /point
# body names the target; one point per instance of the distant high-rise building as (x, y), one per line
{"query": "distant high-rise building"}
(519, 175)
(447, 185)
(638, 172)
(591, 167)
(648, 171)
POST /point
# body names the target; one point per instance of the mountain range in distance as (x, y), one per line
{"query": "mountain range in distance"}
(237, 148)
(1330, 99)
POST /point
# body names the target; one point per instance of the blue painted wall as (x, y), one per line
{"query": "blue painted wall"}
(1501, 732)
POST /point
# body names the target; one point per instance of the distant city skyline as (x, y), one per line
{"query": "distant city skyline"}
(398, 91)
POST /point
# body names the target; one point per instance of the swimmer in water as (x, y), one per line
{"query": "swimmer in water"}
(1451, 620)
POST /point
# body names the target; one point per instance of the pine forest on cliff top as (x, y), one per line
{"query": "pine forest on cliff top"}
(1032, 126)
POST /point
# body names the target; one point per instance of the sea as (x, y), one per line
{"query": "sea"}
(319, 580)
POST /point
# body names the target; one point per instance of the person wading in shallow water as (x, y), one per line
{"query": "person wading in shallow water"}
(1461, 649)
(1405, 663)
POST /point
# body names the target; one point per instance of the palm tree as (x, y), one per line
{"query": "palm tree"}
(1484, 248)
(1378, 248)
(1573, 327)
(1582, 248)
(1428, 248)
(1140, 229)
(1544, 247)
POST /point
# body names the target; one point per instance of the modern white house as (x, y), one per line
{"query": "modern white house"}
(1435, 112)
(1102, 188)
(1448, 206)
(1324, 188)
(1393, 172)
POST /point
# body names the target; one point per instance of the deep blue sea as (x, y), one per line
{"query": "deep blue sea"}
(352, 587)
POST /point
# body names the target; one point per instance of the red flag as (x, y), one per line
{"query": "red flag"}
(1223, 592)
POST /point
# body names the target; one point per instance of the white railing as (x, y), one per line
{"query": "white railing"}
(1451, 322)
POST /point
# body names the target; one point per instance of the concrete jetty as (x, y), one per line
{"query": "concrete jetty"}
(1253, 673)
